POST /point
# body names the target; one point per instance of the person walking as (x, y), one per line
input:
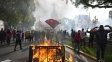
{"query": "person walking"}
(18, 40)
(101, 41)
(77, 41)
(8, 36)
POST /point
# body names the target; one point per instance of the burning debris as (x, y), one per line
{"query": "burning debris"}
(47, 51)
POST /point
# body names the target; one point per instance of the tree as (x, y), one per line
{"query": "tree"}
(14, 11)
(93, 3)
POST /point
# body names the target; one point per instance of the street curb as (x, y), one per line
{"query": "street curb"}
(85, 54)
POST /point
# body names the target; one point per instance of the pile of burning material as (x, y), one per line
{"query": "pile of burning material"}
(46, 51)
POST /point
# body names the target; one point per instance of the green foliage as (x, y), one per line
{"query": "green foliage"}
(93, 3)
(92, 52)
(14, 11)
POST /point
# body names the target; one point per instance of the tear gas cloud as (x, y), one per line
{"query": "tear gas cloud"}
(67, 14)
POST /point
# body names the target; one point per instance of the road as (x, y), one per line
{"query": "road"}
(7, 52)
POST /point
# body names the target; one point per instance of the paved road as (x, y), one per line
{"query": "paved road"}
(77, 57)
(7, 52)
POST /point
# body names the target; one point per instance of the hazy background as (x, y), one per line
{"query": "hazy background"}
(68, 15)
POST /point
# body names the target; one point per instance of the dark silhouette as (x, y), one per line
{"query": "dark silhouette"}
(8, 36)
(2, 36)
(31, 37)
(72, 37)
(101, 41)
(83, 35)
(14, 34)
(18, 39)
(91, 39)
(77, 41)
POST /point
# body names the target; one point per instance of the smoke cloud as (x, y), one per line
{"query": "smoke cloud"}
(67, 14)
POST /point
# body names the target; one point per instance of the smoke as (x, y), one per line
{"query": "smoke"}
(54, 9)
(49, 9)
(66, 13)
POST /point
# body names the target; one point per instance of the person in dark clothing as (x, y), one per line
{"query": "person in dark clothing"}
(14, 34)
(8, 36)
(83, 37)
(18, 40)
(2, 36)
(72, 37)
(31, 37)
(22, 39)
(91, 39)
(77, 39)
(101, 41)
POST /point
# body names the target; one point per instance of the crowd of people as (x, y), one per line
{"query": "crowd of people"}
(78, 38)
(97, 35)
(17, 36)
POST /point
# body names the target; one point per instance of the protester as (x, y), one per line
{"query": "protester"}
(8, 36)
(31, 37)
(77, 41)
(2, 36)
(18, 40)
(91, 39)
(72, 37)
(22, 36)
(14, 34)
(83, 36)
(101, 41)
(27, 36)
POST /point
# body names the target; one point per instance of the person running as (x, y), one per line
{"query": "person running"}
(101, 41)
(18, 40)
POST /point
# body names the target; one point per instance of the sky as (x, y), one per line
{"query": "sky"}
(58, 9)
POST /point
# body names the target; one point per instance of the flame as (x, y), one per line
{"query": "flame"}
(71, 58)
(45, 43)
(43, 54)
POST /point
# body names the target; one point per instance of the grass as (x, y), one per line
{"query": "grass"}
(108, 54)
(92, 51)
(68, 42)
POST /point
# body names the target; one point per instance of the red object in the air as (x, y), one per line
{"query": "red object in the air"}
(53, 23)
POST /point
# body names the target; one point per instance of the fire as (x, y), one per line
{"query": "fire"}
(45, 43)
(49, 51)
(71, 58)
(43, 54)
